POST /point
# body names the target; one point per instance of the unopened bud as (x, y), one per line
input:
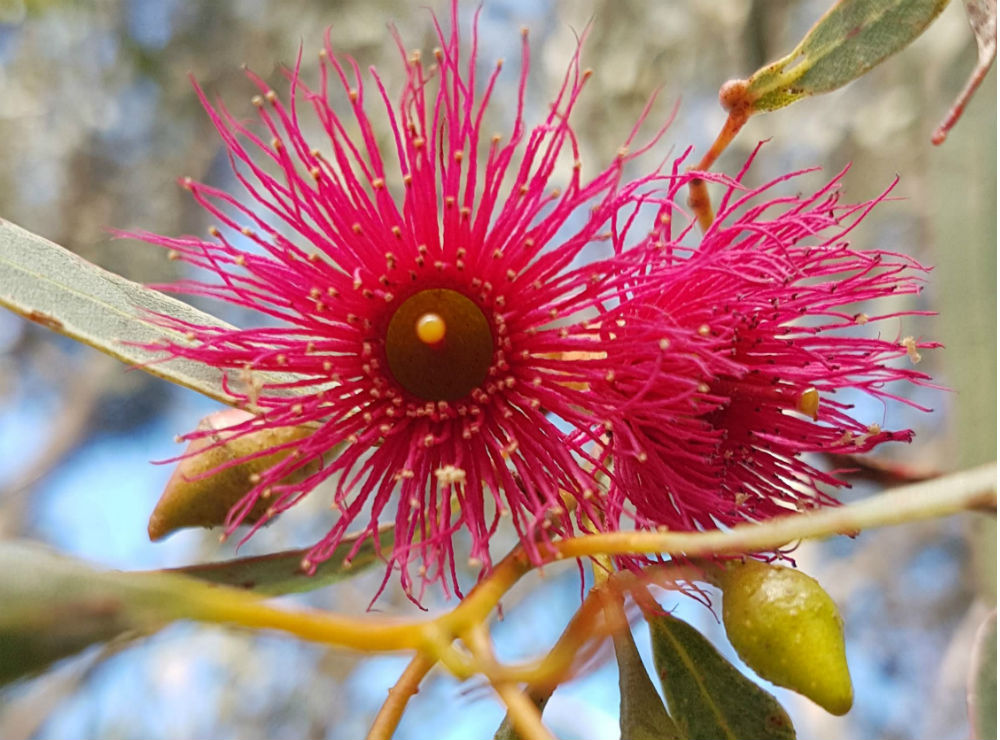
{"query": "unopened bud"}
(197, 497)
(788, 630)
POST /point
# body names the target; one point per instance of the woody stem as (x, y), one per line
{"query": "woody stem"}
(408, 684)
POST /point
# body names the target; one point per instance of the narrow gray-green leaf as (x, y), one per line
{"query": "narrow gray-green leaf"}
(851, 38)
(983, 681)
(60, 290)
(642, 715)
(43, 626)
(52, 606)
(707, 696)
(281, 572)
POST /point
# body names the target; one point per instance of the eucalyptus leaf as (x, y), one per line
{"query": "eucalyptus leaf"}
(983, 681)
(642, 715)
(707, 695)
(281, 572)
(52, 605)
(43, 626)
(51, 286)
(851, 38)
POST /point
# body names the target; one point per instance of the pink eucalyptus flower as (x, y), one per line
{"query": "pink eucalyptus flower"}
(740, 363)
(425, 297)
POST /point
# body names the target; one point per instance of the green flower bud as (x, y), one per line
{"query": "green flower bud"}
(788, 630)
(192, 499)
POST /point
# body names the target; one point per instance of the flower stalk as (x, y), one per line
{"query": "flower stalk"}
(967, 490)
(402, 691)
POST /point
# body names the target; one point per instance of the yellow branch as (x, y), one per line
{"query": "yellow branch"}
(408, 684)
(970, 489)
(951, 494)
(522, 711)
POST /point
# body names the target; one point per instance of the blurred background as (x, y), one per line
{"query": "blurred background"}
(98, 119)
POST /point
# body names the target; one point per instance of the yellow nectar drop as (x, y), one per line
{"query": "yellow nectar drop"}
(431, 329)
(808, 403)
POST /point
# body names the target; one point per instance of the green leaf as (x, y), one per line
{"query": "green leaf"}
(46, 617)
(60, 290)
(52, 606)
(853, 37)
(642, 714)
(281, 573)
(983, 681)
(707, 696)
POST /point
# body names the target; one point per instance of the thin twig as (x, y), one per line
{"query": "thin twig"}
(408, 684)
(971, 489)
(951, 494)
(735, 99)
(522, 711)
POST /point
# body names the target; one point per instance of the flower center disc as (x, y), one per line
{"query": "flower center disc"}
(439, 345)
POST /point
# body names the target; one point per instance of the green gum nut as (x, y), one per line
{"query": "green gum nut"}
(192, 498)
(788, 630)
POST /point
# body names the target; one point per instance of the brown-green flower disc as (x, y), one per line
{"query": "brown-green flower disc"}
(439, 345)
